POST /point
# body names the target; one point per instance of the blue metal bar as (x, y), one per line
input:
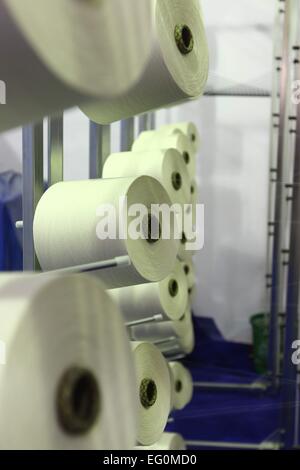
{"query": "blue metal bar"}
(257, 386)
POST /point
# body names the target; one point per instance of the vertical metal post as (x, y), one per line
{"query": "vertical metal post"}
(143, 123)
(152, 121)
(127, 134)
(146, 122)
(55, 149)
(273, 354)
(33, 187)
(277, 59)
(289, 386)
(99, 148)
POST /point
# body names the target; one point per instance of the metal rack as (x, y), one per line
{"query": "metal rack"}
(278, 176)
(244, 91)
(283, 261)
(281, 188)
(290, 382)
(35, 181)
(285, 275)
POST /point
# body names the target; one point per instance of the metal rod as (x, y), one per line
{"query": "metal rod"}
(19, 224)
(55, 149)
(142, 321)
(254, 386)
(33, 187)
(127, 134)
(273, 353)
(99, 148)
(275, 102)
(160, 342)
(117, 262)
(175, 357)
(289, 384)
(235, 445)
(241, 94)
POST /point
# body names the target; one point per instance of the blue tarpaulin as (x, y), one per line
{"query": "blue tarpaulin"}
(10, 212)
(225, 415)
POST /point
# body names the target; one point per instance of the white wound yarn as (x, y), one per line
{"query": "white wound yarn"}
(182, 385)
(194, 200)
(67, 226)
(60, 53)
(191, 214)
(154, 140)
(97, 47)
(187, 128)
(194, 190)
(167, 166)
(177, 69)
(163, 330)
(192, 294)
(167, 298)
(154, 389)
(175, 336)
(64, 337)
(168, 441)
(183, 253)
(189, 272)
(186, 333)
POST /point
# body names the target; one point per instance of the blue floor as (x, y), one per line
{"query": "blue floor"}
(220, 415)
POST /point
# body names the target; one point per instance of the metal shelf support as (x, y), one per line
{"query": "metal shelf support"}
(33, 188)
